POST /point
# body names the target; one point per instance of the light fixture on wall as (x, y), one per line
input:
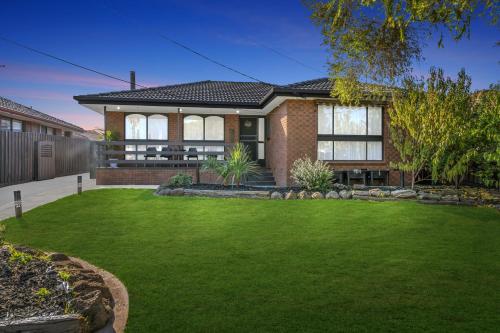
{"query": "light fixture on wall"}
(238, 111)
(118, 108)
(179, 110)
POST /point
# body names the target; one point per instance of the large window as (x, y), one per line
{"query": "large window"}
(349, 133)
(197, 128)
(141, 127)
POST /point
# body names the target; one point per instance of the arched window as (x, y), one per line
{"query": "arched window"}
(214, 128)
(135, 127)
(157, 127)
(193, 128)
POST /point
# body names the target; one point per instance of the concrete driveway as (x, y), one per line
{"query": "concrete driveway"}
(34, 194)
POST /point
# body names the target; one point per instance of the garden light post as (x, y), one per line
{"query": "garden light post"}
(18, 206)
(79, 184)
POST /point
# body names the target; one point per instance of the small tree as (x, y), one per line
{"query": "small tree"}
(411, 128)
(486, 135)
(312, 176)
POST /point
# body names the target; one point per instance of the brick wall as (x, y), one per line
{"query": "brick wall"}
(276, 144)
(294, 135)
(148, 176)
(175, 127)
(115, 122)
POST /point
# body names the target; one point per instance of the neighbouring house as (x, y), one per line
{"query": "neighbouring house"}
(161, 130)
(15, 117)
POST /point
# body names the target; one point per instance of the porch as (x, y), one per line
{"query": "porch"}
(154, 162)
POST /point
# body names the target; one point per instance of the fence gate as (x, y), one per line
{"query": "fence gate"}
(46, 160)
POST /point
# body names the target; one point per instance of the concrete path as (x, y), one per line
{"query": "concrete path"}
(39, 193)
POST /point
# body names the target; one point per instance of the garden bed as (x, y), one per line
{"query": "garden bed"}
(46, 291)
(469, 196)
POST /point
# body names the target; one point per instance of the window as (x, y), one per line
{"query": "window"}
(43, 129)
(348, 120)
(193, 128)
(325, 122)
(4, 124)
(17, 126)
(349, 150)
(261, 153)
(50, 131)
(374, 121)
(157, 127)
(135, 127)
(197, 128)
(214, 128)
(350, 133)
(325, 150)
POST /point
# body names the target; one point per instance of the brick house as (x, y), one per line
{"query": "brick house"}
(278, 124)
(15, 117)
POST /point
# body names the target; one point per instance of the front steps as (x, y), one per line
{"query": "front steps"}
(264, 179)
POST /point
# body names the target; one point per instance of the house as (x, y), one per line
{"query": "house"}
(278, 124)
(15, 117)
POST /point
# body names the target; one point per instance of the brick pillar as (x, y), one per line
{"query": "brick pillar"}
(115, 122)
(175, 127)
(232, 128)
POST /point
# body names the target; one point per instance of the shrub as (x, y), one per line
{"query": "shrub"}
(42, 293)
(312, 176)
(180, 180)
(236, 168)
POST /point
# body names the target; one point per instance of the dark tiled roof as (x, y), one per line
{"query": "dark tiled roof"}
(203, 92)
(32, 113)
(221, 93)
(317, 84)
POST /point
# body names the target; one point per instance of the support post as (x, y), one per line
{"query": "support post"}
(18, 205)
(79, 184)
(402, 178)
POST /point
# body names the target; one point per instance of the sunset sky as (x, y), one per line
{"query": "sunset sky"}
(237, 33)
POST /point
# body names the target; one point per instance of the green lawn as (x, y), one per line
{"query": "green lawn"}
(224, 265)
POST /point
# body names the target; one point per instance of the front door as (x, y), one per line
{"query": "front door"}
(248, 135)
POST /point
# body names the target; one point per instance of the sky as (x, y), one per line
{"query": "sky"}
(115, 37)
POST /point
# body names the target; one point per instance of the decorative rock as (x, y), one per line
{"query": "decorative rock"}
(276, 195)
(360, 187)
(332, 195)
(164, 191)
(339, 187)
(428, 196)
(345, 194)
(450, 197)
(317, 195)
(58, 257)
(404, 194)
(291, 195)
(304, 195)
(376, 192)
(361, 193)
(177, 192)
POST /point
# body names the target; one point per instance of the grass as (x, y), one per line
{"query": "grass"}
(224, 265)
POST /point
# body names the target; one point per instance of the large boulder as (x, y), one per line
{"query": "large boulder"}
(163, 191)
(177, 192)
(360, 193)
(332, 195)
(428, 196)
(304, 195)
(376, 192)
(276, 195)
(360, 187)
(94, 307)
(291, 195)
(317, 195)
(344, 194)
(404, 194)
(339, 187)
(450, 197)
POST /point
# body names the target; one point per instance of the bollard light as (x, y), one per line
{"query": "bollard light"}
(18, 205)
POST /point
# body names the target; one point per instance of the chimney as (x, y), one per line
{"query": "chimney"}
(132, 80)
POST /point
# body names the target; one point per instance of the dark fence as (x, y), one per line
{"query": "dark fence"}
(18, 156)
